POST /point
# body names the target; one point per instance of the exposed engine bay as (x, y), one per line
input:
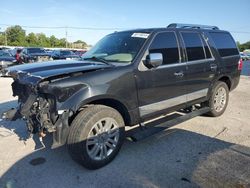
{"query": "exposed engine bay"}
(38, 110)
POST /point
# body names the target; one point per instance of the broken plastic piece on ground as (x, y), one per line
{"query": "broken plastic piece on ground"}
(12, 114)
(41, 141)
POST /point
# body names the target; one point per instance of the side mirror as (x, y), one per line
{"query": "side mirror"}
(153, 60)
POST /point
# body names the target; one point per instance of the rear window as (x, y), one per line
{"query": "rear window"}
(224, 43)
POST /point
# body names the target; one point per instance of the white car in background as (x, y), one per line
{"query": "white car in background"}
(244, 56)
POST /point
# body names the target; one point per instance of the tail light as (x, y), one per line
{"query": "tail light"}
(240, 64)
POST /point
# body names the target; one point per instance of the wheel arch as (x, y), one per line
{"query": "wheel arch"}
(111, 102)
(227, 80)
(223, 78)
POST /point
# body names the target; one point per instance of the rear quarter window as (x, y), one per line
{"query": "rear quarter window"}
(225, 44)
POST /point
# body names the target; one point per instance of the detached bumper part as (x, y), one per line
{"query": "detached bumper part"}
(62, 129)
(11, 115)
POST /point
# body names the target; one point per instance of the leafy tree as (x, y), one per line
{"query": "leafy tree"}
(16, 36)
(61, 42)
(32, 40)
(53, 41)
(245, 46)
(81, 42)
(43, 40)
(2, 39)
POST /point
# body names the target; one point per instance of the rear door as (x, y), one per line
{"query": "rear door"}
(163, 87)
(228, 54)
(201, 65)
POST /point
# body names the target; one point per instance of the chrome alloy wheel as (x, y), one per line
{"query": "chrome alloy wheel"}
(220, 99)
(102, 138)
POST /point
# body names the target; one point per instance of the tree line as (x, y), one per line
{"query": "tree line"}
(243, 46)
(16, 36)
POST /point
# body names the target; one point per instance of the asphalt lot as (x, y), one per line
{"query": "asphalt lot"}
(201, 152)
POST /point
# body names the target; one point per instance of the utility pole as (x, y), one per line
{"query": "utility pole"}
(5, 38)
(66, 33)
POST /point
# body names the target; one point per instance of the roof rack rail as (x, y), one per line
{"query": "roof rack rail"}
(192, 26)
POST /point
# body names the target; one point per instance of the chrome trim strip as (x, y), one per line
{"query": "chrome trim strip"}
(150, 108)
(200, 61)
(171, 65)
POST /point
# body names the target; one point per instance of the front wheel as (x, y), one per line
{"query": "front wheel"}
(219, 99)
(96, 136)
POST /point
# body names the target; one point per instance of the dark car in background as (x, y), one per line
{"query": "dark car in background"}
(64, 54)
(6, 59)
(31, 55)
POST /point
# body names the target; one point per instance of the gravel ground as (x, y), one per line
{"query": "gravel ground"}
(201, 152)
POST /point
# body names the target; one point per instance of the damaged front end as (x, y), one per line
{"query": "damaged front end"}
(38, 110)
(49, 95)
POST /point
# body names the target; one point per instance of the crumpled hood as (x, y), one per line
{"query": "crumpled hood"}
(35, 72)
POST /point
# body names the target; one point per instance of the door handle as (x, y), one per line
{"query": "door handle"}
(213, 67)
(179, 74)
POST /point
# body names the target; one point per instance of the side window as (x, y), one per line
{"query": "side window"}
(166, 44)
(224, 43)
(194, 46)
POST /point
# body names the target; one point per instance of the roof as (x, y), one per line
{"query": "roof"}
(176, 26)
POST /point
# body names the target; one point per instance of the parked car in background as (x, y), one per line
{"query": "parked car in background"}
(244, 57)
(49, 51)
(64, 54)
(31, 55)
(247, 52)
(80, 52)
(6, 59)
(4, 48)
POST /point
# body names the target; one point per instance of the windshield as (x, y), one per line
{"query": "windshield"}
(4, 54)
(35, 50)
(66, 53)
(118, 47)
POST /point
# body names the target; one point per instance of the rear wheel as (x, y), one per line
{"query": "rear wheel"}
(219, 99)
(96, 136)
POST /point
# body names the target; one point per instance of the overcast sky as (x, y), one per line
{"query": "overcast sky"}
(232, 15)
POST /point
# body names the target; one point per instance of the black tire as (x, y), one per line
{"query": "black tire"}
(83, 125)
(214, 110)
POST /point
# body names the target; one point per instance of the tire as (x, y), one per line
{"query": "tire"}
(219, 99)
(87, 135)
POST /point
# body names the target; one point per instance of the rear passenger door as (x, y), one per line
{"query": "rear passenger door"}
(201, 66)
(163, 87)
